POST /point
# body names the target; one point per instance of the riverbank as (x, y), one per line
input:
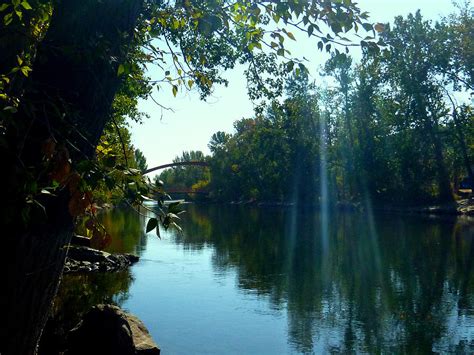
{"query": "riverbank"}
(463, 207)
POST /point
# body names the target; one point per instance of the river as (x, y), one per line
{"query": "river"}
(246, 280)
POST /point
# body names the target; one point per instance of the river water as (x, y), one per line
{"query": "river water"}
(245, 280)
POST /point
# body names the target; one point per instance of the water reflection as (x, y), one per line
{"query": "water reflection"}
(383, 284)
(80, 292)
(375, 284)
(126, 229)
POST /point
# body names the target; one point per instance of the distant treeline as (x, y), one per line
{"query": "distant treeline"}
(398, 127)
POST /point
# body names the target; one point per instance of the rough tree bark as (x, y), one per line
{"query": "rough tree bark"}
(75, 72)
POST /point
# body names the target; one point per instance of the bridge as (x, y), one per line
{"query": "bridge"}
(185, 191)
(183, 163)
(170, 165)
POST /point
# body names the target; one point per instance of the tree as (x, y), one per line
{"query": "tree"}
(63, 64)
(184, 177)
(454, 48)
(393, 128)
(411, 73)
(141, 160)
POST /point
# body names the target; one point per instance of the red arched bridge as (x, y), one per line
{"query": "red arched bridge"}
(170, 165)
(186, 191)
(183, 163)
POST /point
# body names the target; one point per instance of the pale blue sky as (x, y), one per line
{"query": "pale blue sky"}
(166, 134)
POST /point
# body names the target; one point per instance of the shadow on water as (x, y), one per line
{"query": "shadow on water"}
(384, 283)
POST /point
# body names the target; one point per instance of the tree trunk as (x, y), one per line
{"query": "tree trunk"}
(74, 74)
(34, 265)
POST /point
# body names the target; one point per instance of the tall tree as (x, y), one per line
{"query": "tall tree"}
(411, 74)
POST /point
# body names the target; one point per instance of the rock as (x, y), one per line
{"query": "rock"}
(106, 329)
(85, 259)
(87, 254)
(144, 344)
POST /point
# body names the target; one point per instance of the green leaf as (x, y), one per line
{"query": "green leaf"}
(3, 7)
(367, 26)
(25, 70)
(11, 109)
(26, 5)
(176, 226)
(110, 161)
(175, 90)
(152, 224)
(8, 18)
(120, 70)
(173, 207)
(172, 215)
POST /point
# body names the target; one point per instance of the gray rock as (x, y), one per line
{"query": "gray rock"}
(106, 329)
(87, 254)
(85, 259)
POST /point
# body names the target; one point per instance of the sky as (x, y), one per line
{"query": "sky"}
(167, 134)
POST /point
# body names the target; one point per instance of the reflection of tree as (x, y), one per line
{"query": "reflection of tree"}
(76, 295)
(384, 287)
(79, 292)
(125, 226)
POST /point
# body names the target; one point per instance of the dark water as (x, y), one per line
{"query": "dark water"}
(255, 281)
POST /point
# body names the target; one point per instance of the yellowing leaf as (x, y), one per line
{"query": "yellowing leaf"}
(379, 27)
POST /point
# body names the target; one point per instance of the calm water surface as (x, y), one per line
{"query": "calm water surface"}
(269, 281)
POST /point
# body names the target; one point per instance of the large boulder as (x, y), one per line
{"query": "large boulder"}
(106, 329)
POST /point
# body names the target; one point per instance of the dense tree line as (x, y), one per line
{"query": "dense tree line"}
(185, 177)
(397, 127)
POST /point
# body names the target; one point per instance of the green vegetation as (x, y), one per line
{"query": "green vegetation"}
(69, 70)
(396, 128)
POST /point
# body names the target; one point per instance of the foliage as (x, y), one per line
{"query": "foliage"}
(189, 178)
(192, 41)
(389, 130)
